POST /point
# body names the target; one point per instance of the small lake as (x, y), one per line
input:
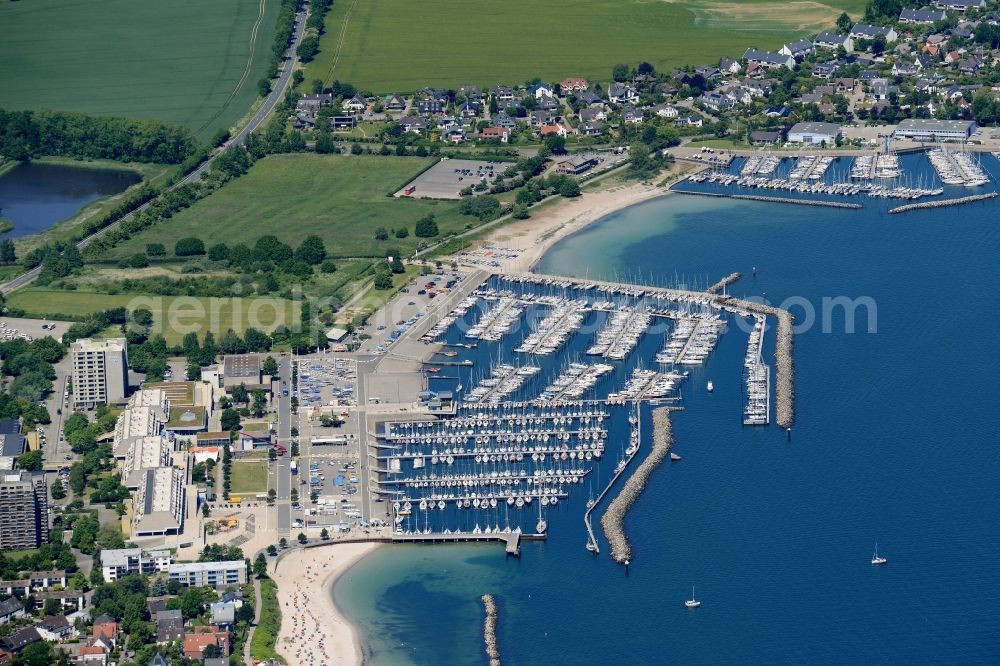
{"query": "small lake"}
(36, 196)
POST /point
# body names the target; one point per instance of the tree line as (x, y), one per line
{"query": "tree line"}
(28, 134)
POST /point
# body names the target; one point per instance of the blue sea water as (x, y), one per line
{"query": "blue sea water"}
(895, 440)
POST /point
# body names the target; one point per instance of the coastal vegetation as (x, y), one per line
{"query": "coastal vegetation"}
(390, 46)
(266, 633)
(184, 62)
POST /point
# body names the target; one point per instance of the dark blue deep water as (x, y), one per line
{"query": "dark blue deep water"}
(895, 440)
(36, 196)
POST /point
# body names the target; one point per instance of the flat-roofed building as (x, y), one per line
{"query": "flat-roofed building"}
(928, 129)
(144, 453)
(12, 442)
(213, 574)
(814, 133)
(24, 510)
(121, 562)
(159, 503)
(100, 372)
(242, 369)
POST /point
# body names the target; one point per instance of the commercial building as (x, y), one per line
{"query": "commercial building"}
(212, 574)
(159, 503)
(24, 510)
(100, 372)
(814, 133)
(926, 129)
(124, 561)
(12, 442)
(242, 369)
(144, 453)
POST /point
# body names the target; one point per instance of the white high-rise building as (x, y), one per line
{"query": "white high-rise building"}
(100, 372)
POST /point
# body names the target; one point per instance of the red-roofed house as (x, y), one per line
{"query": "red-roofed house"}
(92, 655)
(546, 130)
(502, 133)
(105, 633)
(574, 83)
(201, 637)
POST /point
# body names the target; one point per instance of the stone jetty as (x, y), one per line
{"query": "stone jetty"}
(941, 203)
(758, 197)
(490, 629)
(724, 282)
(784, 393)
(613, 520)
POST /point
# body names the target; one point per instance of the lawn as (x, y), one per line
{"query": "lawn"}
(186, 61)
(173, 316)
(249, 477)
(342, 198)
(399, 46)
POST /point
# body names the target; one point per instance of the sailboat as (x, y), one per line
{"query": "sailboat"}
(711, 386)
(692, 602)
(876, 558)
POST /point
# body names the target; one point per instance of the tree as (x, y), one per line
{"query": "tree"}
(426, 227)
(283, 543)
(58, 491)
(269, 248)
(308, 48)
(206, 510)
(230, 419)
(381, 234)
(30, 461)
(8, 253)
(402, 232)
(878, 44)
(383, 281)
(556, 143)
(325, 143)
(156, 250)
(218, 252)
(270, 366)
(396, 266)
(260, 566)
(193, 372)
(324, 535)
(189, 247)
(272, 550)
(138, 260)
(312, 251)
(619, 73)
(256, 340)
(328, 266)
(272, 495)
(302, 538)
(844, 23)
(569, 188)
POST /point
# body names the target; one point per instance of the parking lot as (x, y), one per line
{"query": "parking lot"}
(30, 329)
(448, 177)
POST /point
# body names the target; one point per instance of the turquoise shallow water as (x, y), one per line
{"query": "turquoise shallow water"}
(895, 440)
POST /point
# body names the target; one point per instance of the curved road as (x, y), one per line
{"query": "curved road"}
(272, 100)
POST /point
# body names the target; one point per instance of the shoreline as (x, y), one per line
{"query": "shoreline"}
(313, 627)
(534, 237)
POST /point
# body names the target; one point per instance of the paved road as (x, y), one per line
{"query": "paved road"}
(276, 95)
(284, 402)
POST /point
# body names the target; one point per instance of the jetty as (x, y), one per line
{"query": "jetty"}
(613, 520)
(759, 197)
(723, 283)
(490, 629)
(942, 203)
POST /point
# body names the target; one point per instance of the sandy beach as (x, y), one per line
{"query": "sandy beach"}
(530, 239)
(313, 630)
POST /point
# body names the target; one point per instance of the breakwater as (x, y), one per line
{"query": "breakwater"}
(758, 197)
(784, 393)
(723, 283)
(942, 203)
(490, 643)
(613, 520)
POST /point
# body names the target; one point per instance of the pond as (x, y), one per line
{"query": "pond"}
(36, 196)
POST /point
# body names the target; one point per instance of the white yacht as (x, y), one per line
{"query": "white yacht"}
(692, 602)
(876, 558)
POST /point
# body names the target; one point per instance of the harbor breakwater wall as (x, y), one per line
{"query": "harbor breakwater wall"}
(490, 643)
(942, 203)
(613, 520)
(759, 197)
(723, 283)
(784, 393)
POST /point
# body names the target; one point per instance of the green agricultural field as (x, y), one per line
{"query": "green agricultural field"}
(249, 477)
(399, 46)
(173, 316)
(341, 198)
(186, 61)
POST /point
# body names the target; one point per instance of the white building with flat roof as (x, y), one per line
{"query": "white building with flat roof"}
(929, 129)
(100, 372)
(159, 503)
(144, 453)
(124, 561)
(212, 574)
(814, 133)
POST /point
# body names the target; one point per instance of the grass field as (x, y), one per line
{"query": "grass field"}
(173, 316)
(398, 46)
(249, 477)
(184, 61)
(339, 197)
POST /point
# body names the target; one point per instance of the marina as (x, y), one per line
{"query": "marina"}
(757, 375)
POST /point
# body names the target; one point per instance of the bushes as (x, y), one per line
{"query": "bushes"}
(266, 633)
(426, 226)
(189, 247)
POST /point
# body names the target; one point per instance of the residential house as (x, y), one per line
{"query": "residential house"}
(576, 165)
(200, 638)
(970, 65)
(716, 101)
(439, 94)
(768, 59)
(590, 99)
(870, 32)
(356, 104)
(56, 628)
(541, 117)
(665, 111)
(729, 66)
(573, 84)
(622, 94)
(413, 125)
(92, 655)
(501, 133)
(632, 115)
(591, 128)
(557, 129)
(879, 90)
(832, 40)
(757, 87)
(158, 660)
(105, 630)
(548, 103)
(587, 115)
(689, 120)
(223, 614)
(994, 18)
(395, 102)
(798, 49)
(778, 112)
(503, 120)
(169, 626)
(704, 72)
(921, 16)
(905, 68)
(454, 135)
(11, 609)
(469, 109)
(156, 604)
(21, 639)
(429, 107)
(472, 93)
(540, 90)
(824, 70)
(502, 94)
(445, 122)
